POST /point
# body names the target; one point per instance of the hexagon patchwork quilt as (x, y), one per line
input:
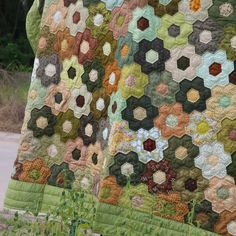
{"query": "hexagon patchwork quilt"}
(133, 102)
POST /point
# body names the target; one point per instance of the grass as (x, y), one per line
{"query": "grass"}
(20, 225)
(13, 95)
(72, 217)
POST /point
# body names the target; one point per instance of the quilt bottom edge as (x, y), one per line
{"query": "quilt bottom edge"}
(109, 220)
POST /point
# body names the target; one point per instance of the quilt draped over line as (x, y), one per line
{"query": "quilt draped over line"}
(134, 103)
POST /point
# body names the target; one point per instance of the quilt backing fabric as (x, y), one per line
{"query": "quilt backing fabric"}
(134, 102)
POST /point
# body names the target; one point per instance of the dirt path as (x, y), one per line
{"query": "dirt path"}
(8, 148)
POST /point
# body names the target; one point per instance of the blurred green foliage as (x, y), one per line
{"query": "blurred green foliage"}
(15, 54)
(15, 51)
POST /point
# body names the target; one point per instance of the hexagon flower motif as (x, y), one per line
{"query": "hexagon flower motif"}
(181, 152)
(100, 103)
(98, 20)
(174, 30)
(170, 206)
(35, 171)
(158, 176)
(161, 88)
(88, 183)
(106, 48)
(191, 184)
(206, 36)
(110, 4)
(117, 104)
(75, 154)
(49, 70)
(144, 24)
(203, 215)
(127, 167)
(202, 127)
(193, 95)
(138, 197)
(151, 55)
(61, 176)
(88, 129)
(195, 10)
(67, 125)
(85, 46)
(93, 75)
(112, 77)
(139, 113)
(80, 101)
(55, 17)
(227, 135)
(213, 160)
(172, 120)
(42, 122)
(222, 194)
(162, 7)
(228, 43)
(215, 69)
(64, 44)
(149, 145)
(76, 17)
(121, 17)
(71, 73)
(57, 99)
(36, 95)
(132, 81)
(223, 102)
(126, 48)
(109, 191)
(183, 63)
(223, 11)
(51, 150)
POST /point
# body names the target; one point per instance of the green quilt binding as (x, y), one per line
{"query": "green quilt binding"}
(22, 196)
(109, 219)
(113, 220)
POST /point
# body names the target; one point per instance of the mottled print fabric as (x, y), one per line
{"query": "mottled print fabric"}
(134, 101)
